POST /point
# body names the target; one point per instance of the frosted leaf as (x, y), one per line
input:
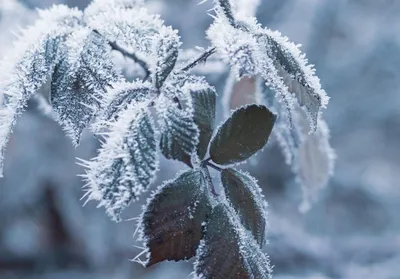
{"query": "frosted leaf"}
(119, 97)
(134, 29)
(228, 251)
(297, 75)
(315, 163)
(242, 135)
(252, 50)
(245, 196)
(236, 47)
(310, 155)
(204, 102)
(80, 79)
(172, 222)
(31, 62)
(224, 7)
(166, 50)
(179, 132)
(126, 163)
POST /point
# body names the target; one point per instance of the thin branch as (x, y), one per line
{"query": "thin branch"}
(213, 166)
(130, 55)
(209, 180)
(202, 58)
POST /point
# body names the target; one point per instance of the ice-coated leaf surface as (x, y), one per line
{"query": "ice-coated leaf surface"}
(34, 56)
(166, 50)
(242, 135)
(172, 222)
(310, 156)
(80, 79)
(228, 251)
(126, 163)
(179, 132)
(252, 50)
(204, 102)
(244, 194)
(226, 8)
(119, 97)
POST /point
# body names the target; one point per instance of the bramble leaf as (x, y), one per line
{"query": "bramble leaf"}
(126, 164)
(180, 135)
(246, 198)
(227, 251)
(80, 80)
(242, 135)
(204, 117)
(166, 50)
(118, 98)
(172, 223)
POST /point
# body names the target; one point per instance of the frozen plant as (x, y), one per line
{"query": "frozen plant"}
(169, 110)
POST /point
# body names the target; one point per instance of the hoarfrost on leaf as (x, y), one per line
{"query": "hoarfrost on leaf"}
(80, 80)
(166, 50)
(252, 50)
(244, 194)
(118, 97)
(310, 155)
(242, 135)
(172, 222)
(32, 61)
(228, 251)
(179, 132)
(126, 163)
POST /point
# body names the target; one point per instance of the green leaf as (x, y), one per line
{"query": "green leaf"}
(172, 223)
(180, 135)
(123, 94)
(298, 81)
(79, 80)
(126, 164)
(167, 50)
(204, 117)
(245, 197)
(227, 251)
(242, 135)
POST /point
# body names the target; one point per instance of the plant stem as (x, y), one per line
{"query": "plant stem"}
(209, 180)
(130, 55)
(202, 58)
(214, 166)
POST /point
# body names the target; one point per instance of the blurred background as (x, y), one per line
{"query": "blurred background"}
(351, 232)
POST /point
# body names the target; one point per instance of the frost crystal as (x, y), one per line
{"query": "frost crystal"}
(126, 163)
(80, 79)
(229, 251)
(33, 59)
(252, 50)
(310, 155)
(118, 98)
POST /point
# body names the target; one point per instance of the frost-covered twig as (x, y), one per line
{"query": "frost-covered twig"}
(130, 55)
(201, 59)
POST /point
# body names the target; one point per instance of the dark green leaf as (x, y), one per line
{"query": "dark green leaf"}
(167, 51)
(204, 117)
(126, 164)
(228, 252)
(172, 221)
(179, 137)
(245, 196)
(121, 96)
(295, 79)
(242, 135)
(79, 81)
